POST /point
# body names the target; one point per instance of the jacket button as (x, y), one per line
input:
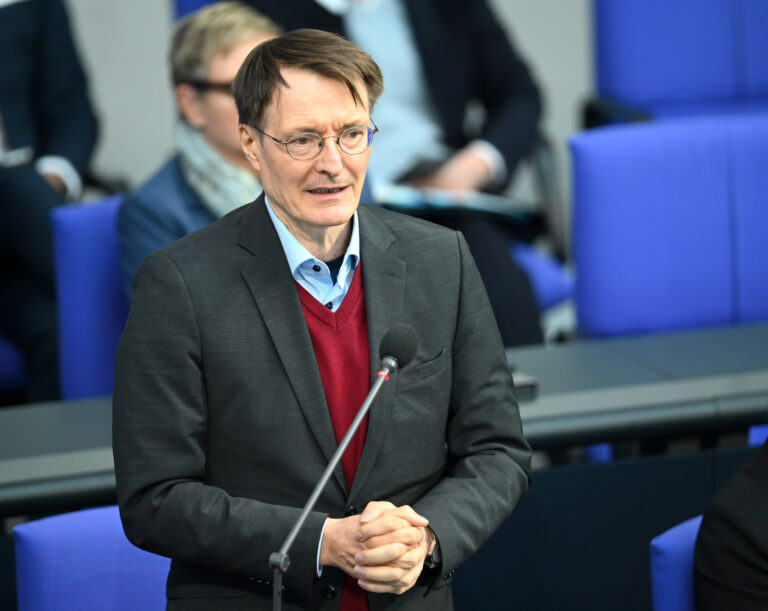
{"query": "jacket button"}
(352, 510)
(329, 592)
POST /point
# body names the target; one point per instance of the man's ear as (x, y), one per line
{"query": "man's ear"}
(250, 146)
(188, 101)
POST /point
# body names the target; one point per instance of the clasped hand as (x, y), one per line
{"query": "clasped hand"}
(383, 548)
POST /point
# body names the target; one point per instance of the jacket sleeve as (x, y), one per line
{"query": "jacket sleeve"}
(488, 462)
(160, 432)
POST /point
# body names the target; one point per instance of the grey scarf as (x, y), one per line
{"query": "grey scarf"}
(221, 185)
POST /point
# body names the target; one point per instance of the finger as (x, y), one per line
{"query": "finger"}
(406, 512)
(386, 574)
(393, 553)
(374, 509)
(397, 586)
(409, 537)
(403, 512)
(382, 525)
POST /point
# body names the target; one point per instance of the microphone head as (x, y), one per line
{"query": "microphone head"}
(399, 342)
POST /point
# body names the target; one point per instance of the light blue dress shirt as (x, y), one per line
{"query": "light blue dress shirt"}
(312, 273)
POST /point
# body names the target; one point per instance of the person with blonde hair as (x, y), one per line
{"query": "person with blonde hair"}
(208, 176)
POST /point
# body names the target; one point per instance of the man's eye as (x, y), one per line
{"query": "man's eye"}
(301, 140)
(353, 134)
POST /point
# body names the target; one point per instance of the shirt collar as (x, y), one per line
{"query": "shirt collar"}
(295, 251)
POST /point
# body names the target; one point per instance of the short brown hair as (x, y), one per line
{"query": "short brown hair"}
(321, 53)
(217, 28)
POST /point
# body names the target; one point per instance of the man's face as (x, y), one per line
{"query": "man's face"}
(214, 112)
(298, 190)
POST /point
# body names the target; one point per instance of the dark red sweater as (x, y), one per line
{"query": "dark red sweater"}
(340, 341)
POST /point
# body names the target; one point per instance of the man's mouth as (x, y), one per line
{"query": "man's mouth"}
(327, 190)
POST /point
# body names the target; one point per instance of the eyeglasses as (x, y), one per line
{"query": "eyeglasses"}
(307, 145)
(209, 86)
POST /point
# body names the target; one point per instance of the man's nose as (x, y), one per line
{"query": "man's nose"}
(330, 157)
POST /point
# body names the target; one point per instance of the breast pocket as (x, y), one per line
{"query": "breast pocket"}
(421, 372)
(418, 390)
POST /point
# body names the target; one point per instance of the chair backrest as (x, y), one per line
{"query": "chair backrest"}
(91, 304)
(669, 225)
(681, 50)
(672, 567)
(82, 561)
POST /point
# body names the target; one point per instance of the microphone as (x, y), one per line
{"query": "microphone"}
(397, 349)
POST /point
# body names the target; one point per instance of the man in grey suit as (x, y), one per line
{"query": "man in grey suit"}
(251, 343)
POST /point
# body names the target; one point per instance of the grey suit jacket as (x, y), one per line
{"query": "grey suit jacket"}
(221, 427)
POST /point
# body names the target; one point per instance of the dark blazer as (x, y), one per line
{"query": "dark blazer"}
(731, 559)
(221, 427)
(466, 56)
(162, 210)
(43, 93)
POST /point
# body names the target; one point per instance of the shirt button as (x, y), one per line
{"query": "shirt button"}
(329, 305)
(316, 268)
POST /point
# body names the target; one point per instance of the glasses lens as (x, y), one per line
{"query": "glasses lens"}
(355, 140)
(304, 146)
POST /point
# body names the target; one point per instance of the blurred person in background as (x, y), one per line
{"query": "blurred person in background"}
(47, 136)
(460, 111)
(209, 175)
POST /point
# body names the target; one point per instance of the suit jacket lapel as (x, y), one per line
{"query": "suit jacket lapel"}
(271, 284)
(384, 286)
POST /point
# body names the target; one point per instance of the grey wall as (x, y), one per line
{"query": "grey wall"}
(124, 45)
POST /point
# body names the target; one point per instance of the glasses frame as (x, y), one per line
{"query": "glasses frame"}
(337, 137)
(202, 86)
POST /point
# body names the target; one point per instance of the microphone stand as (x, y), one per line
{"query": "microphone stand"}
(280, 561)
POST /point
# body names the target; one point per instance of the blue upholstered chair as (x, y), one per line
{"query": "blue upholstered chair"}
(82, 561)
(669, 228)
(92, 306)
(675, 58)
(672, 567)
